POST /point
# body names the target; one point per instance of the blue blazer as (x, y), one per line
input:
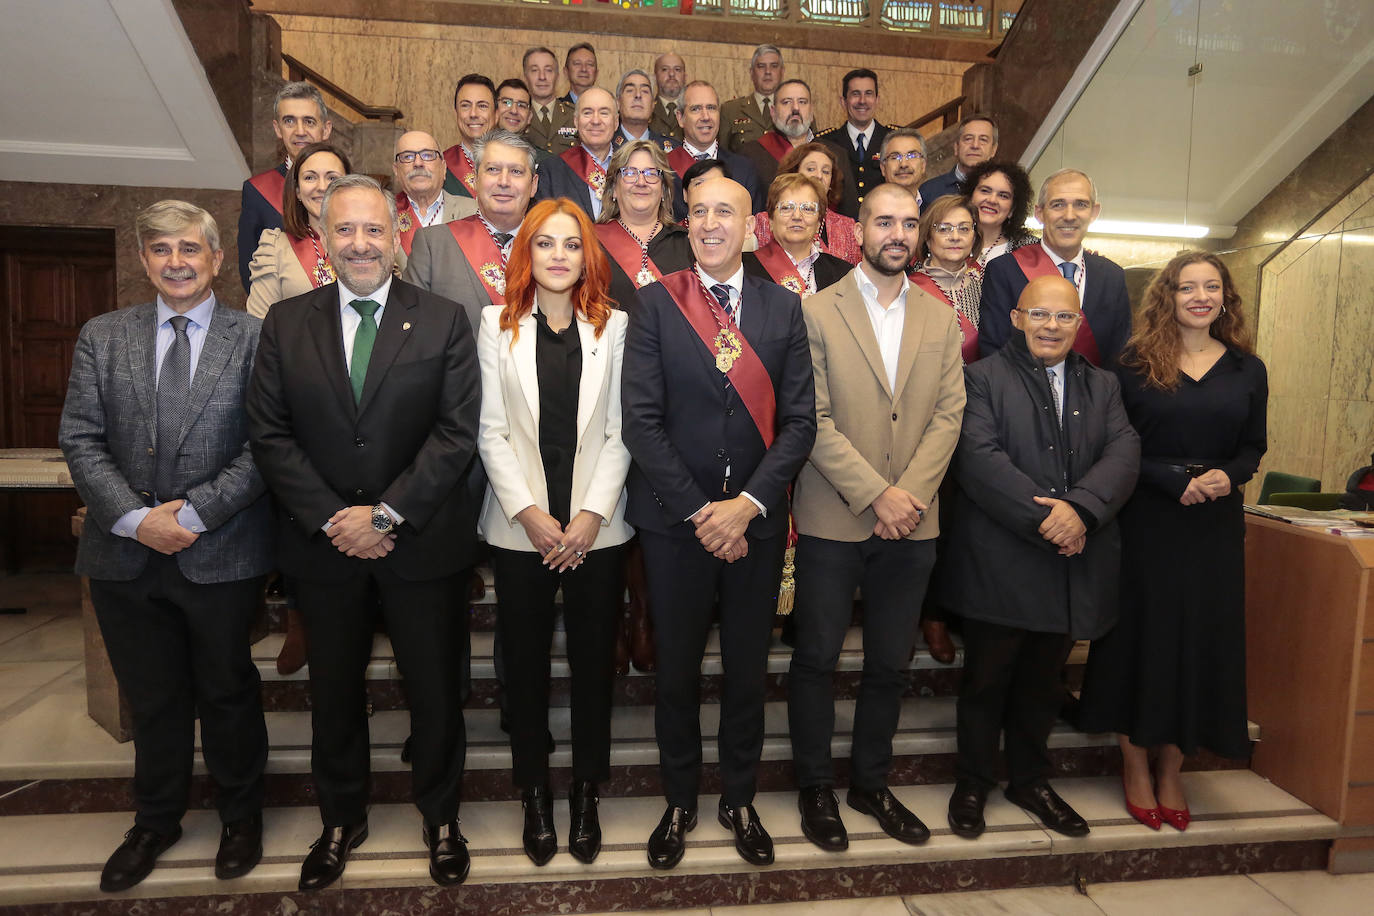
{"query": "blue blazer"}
(256, 213)
(933, 188)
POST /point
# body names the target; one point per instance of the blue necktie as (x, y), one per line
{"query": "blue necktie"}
(722, 293)
(1068, 269)
(861, 148)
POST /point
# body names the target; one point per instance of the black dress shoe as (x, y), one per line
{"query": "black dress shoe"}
(540, 840)
(240, 847)
(1053, 811)
(820, 819)
(752, 842)
(584, 832)
(966, 809)
(893, 816)
(449, 861)
(135, 857)
(328, 854)
(669, 839)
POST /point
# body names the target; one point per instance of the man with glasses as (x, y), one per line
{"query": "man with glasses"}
(474, 107)
(902, 160)
(974, 144)
(858, 141)
(1067, 205)
(421, 200)
(1046, 459)
(513, 110)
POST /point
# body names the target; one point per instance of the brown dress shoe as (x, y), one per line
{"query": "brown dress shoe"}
(622, 645)
(291, 658)
(937, 640)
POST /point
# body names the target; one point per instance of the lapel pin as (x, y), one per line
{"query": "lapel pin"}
(406, 326)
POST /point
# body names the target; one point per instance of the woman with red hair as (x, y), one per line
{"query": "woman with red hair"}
(554, 513)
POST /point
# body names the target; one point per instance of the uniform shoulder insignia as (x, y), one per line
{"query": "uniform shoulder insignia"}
(826, 132)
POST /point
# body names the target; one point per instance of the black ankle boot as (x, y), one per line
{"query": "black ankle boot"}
(584, 834)
(541, 842)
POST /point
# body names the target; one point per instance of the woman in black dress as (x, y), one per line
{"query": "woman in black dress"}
(1171, 675)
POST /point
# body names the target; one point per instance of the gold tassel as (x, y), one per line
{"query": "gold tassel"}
(788, 587)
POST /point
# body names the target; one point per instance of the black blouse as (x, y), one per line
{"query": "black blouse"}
(558, 362)
(670, 252)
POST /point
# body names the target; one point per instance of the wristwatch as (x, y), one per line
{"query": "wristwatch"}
(381, 520)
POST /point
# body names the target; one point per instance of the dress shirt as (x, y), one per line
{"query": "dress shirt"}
(126, 526)
(759, 99)
(558, 369)
(431, 215)
(1080, 276)
(807, 266)
(867, 134)
(736, 284)
(711, 152)
(629, 136)
(888, 322)
(605, 164)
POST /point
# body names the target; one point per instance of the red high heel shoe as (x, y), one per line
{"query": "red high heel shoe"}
(1150, 817)
(1179, 820)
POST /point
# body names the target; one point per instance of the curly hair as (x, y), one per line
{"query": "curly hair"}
(793, 160)
(589, 296)
(1156, 342)
(1022, 194)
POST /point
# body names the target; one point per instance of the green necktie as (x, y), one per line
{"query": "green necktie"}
(362, 345)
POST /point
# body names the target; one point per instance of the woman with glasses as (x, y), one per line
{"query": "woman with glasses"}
(1170, 678)
(946, 248)
(1001, 196)
(793, 258)
(636, 224)
(554, 514)
(835, 232)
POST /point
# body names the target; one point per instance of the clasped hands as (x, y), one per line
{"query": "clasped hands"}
(563, 549)
(161, 531)
(1203, 487)
(898, 513)
(351, 531)
(720, 527)
(1062, 527)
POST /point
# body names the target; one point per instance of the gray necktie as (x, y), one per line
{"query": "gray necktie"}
(173, 391)
(1057, 390)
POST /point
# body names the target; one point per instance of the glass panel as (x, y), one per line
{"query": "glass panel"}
(963, 17)
(839, 11)
(908, 15)
(762, 9)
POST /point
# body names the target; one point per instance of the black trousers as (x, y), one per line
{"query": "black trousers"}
(525, 615)
(683, 581)
(181, 650)
(893, 575)
(1010, 688)
(427, 622)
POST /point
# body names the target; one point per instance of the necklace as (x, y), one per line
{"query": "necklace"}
(646, 274)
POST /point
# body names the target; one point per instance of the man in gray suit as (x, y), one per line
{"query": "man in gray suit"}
(176, 541)
(465, 260)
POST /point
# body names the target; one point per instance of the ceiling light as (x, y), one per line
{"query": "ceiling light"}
(1153, 230)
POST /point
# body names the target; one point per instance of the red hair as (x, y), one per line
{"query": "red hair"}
(588, 293)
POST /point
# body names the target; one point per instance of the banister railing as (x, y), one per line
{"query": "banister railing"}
(298, 71)
(947, 114)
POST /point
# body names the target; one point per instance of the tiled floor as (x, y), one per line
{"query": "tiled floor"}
(42, 647)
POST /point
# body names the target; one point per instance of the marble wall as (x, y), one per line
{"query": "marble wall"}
(414, 66)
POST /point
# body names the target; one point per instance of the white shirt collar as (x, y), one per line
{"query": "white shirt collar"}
(711, 152)
(736, 281)
(867, 132)
(1076, 259)
(869, 290)
(199, 313)
(378, 295)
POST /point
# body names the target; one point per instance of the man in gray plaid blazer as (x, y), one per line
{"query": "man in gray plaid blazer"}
(177, 538)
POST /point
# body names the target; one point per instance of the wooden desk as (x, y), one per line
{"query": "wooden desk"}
(1310, 657)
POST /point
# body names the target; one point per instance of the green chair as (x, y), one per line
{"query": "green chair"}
(1279, 482)
(1317, 501)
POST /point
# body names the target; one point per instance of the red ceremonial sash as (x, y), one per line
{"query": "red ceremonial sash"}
(456, 158)
(1035, 263)
(480, 249)
(681, 161)
(747, 373)
(270, 185)
(969, 349)
(776, 144)
(622, 247)
(586, 168)
(319, 271)
(779, 265)
(407, 221)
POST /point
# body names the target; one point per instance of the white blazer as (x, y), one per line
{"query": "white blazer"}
(508, 434)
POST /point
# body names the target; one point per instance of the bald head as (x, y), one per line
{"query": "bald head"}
(420, 180)
(1049, 314)
(718, 212)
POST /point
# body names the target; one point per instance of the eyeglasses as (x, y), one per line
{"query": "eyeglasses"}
(912, 156)
(425, 155)
(630, 173)
(513, 103)
(952, 228)
(788, 207)
(1040, 316)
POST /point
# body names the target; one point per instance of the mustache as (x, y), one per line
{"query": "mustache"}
(418, 172)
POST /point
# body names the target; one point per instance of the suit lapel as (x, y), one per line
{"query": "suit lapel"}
(142, 337)
(593, 366)
(397, 325)
(849, 303)
(220, 338)
(754, 315)
(527, 367)
(913, 332)
(327, 332)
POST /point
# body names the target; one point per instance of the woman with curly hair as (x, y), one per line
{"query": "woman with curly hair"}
(1002, 197)
(836, 231)
(554, 513)
(1170, 678)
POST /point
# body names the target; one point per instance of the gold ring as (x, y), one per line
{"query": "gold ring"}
(561, 548)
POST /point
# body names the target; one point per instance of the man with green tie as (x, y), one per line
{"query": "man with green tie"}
(363, 420)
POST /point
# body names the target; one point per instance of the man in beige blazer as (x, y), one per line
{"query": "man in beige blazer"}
(889, 402)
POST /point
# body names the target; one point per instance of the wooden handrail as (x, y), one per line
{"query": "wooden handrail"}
(299, 71)
(948, 113)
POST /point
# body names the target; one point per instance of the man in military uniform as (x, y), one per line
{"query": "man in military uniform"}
(859, 140)
(670, 75)
(745, 119)
(551, 119)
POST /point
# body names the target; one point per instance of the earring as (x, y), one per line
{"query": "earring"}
(1223, 308)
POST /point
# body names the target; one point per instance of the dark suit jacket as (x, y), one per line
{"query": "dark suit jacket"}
(1107, 308)
(859, 177)
(741, 170)
(683, 426)
(557, 179)
(256, 213)
(109, 431)
(933, 188)
(765, 166)
(829, 269)
(665, 142)
(437, 264)
(409, 442)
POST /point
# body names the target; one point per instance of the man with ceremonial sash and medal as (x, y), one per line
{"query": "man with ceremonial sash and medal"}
(579, 174)
(1067, 205)
(465, 260)
(792, 120)
(421, 199)
(299, 119)
(699, 118)
(474, 107)
(719, 415)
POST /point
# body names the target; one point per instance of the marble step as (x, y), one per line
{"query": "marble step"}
(1241, 823)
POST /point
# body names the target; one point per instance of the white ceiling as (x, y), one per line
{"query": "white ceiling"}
(1278, 76)
(109, 92)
